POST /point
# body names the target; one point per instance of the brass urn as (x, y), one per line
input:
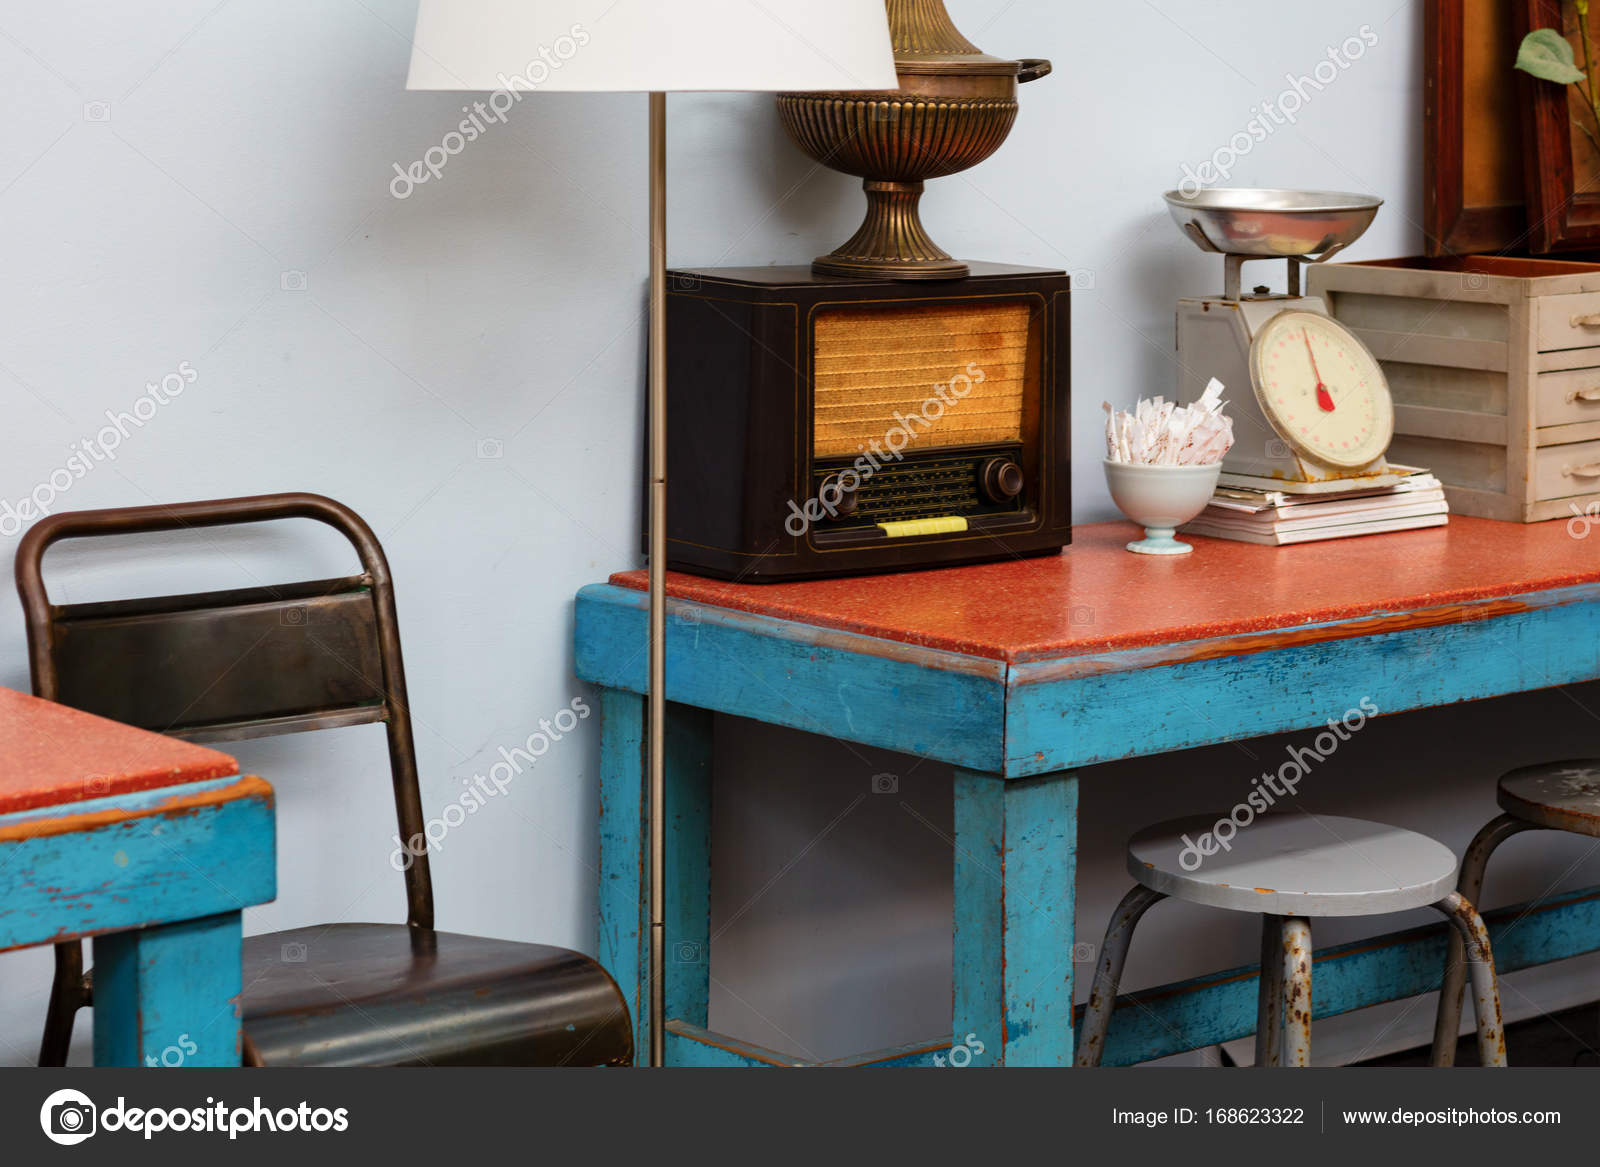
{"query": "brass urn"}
(954, 108)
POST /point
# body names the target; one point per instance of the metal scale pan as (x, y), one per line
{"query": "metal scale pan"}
(1301, 226)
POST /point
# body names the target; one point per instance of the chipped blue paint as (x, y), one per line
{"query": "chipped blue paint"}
(142, 871)
(172, 986)
(623, 907)
(938, 705)
(688, 864)
(623, 900)
(161, 893)
(1017, 734)
(1056, 718)
(1015, 877)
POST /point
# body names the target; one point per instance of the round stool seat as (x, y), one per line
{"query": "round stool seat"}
(1293, 865)
(1563, 796)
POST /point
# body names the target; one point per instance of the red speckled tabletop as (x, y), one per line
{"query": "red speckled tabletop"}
(1097, 597)
(51, 755)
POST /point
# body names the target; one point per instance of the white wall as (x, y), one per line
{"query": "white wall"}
(228, 206)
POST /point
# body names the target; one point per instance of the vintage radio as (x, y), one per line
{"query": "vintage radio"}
(827, 426)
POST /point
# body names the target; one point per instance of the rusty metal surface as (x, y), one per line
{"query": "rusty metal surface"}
(1295, 959)
(1562, 796)
(1269, 994)
(1108, 973)
(1485, 984)
(1447, 1021)
(1554, 796)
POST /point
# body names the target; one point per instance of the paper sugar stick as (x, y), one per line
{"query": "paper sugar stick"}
(1163, 433)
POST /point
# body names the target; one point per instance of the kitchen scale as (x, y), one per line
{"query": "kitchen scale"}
(1320, 417)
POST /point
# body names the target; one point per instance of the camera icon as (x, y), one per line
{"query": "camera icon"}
(685, 283)
(293, 617)
(1080, 615)
(1084, 953)
(97, 111)
(886, 784)
(1474, 280)
(689, 952)
(1278, 448)
(96, 786)
(72, 1118)
(68, 1117)
(491, 450)
(293, 953)
(885, 111)
(292, 281)
(1082, 279)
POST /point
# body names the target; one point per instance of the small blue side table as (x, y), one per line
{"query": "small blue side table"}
(1025, 674)
(152, 847)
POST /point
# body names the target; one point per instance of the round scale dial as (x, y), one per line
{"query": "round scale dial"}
(1322, 390)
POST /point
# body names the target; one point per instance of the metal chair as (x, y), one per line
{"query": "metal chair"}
(1552, 796)
(305, 656)
(1289, 868)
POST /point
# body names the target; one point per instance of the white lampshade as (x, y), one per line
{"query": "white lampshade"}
(652, 45)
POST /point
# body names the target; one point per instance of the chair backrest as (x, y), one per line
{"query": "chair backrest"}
(230, 665)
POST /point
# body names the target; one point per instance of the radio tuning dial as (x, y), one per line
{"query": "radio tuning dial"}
(844, 502)
(1002, 480)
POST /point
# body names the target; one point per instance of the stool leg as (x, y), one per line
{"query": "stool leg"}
(1295, 960)
(1269, 1001)
(1447, 1023)
(1485, 985)
(1108, 973)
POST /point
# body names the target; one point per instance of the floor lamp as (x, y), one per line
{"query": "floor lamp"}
(512, 49)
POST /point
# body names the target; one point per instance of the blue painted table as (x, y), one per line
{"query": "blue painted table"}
(1020, 675)
(152, 847)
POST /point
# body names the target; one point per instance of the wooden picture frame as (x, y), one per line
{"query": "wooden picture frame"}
(1473, 182)
(1563, 193)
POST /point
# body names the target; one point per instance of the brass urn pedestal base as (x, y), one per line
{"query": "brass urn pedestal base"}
(892, 241)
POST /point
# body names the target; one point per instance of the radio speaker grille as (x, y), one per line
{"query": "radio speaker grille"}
(876, 364)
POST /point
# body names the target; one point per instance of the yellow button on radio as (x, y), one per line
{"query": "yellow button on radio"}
(909, 527)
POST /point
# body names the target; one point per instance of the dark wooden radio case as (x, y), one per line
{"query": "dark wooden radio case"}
(742, 393)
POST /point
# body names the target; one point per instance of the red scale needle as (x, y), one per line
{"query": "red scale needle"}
(1324, 398)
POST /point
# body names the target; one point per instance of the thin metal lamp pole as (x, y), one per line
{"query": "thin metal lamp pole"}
(658, 572)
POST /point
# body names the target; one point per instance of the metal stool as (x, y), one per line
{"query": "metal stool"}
(1553, 796)
(1287, 868)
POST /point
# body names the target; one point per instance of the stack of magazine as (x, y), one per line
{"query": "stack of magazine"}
(1276, 518)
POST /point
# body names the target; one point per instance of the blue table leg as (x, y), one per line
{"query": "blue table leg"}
(169, 995)
(1015, 894)
(623, 899)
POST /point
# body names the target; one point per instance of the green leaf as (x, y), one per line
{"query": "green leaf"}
(1546, 54)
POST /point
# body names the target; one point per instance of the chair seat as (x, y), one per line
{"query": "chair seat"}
(379, 995)
(1563, 796)
(1293, 865)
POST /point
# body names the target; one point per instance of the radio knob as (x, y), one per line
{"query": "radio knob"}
(1001, 479)
(833, 494)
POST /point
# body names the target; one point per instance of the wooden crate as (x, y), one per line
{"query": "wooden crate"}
(1494, 364)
